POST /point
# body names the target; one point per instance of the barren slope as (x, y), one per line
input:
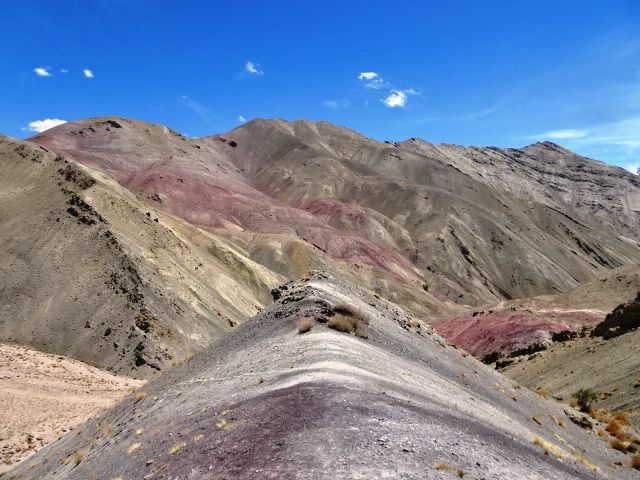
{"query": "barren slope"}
(268, 402)
(326, 194)
(90, 271)
(43, 396)
(588, 190)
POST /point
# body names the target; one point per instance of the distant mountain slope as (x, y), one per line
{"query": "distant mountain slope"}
(268, 402)
(584, 189)
(407, 218)
(90, 271)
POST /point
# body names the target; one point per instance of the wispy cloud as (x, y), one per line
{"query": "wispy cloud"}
(200, 110)
(398, 98)
(253, 68)
(42, 71)
(617, 141)
(337, 104)
(64, 70)
(372, 80)
(42, 125)
(570, 133)
(88, 73)
(241, 119)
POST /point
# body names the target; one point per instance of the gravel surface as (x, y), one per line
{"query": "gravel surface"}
(268, 402)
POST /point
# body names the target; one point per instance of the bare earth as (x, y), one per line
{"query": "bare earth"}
(43, 396)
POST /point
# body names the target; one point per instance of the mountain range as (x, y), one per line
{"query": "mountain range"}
(133, 248)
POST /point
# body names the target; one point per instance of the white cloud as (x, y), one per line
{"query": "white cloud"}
(241, 119)
(64, 70)
(253, 69)
(372, 80)
(368, 76)
(42, 71)
(88, 73)
(564, 134)
(42, 125)
(398, 98)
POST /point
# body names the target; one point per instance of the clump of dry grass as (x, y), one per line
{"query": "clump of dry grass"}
(349, 320)
(586, 462)
(305, 324)
(622, 417)
(635, 462)
(618, 445)
(76, 458)
(134, 447)
(445, 467)
(347, 324)
(177, 447)
(548, 447)
(139, 395)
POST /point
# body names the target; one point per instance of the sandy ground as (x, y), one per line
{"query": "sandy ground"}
(43, 396)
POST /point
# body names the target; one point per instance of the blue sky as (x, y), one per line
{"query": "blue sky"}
(469, 72)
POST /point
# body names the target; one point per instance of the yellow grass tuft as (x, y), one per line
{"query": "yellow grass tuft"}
(548, 447)
(445, 467)
(224, 425)
(139, 395)
(177, 447)
(139, 432)
(586, 462)
(134, 448)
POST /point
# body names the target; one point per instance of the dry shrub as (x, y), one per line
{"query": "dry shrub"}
(349, 320)
(445, 467)
(349, 324)
(622, 417)
(305, 324)
(542, 393)
(139, 395)
(618, 445)
(614, 427)
(635, 462)
(586, 462)
(548, 447)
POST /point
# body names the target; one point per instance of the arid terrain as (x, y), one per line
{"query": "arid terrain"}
(189, 262)
(44, 396)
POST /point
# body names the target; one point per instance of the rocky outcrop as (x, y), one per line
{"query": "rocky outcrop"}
(622, 319)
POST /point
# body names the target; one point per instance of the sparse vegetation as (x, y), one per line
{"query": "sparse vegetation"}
(445, 467)
(618, 445)
(586, 462)
(305, 324)
(139, 395)
(585, 398)
(635, 462)
(548, 447)
(134, 447)
(349, 320)
(177, 447)
(348, 324)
